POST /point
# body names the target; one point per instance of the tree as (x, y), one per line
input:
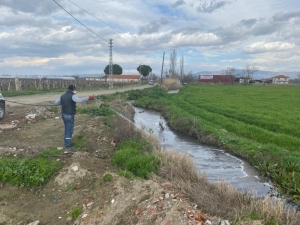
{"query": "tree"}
(188, 78)
(144, 70)
(181, 67)
(173, 62)
(116, 69)
(249, 71)
(230, 71)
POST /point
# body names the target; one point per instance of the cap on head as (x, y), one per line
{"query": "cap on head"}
(72, 87)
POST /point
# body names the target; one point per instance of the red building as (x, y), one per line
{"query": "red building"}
(215, 79)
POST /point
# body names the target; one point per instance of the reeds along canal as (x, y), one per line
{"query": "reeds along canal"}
(216, 163)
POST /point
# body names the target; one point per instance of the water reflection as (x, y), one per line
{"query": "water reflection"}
(217, 164)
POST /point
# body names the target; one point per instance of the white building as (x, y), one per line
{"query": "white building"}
(280, 79)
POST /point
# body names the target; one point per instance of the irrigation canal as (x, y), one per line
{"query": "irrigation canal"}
(216, 163)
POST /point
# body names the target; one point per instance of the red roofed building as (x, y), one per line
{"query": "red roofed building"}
(279, 79)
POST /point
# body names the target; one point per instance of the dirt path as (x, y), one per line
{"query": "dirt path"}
(28, 101)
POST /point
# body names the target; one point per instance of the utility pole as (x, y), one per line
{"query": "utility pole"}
(141, 74)
(110, 81)
(162, 69)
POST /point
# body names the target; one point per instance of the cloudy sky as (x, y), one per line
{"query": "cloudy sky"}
(40, 37)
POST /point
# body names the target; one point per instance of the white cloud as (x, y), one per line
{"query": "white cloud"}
(209, 7)
(260, 47)
(40, 36)
(233, 60)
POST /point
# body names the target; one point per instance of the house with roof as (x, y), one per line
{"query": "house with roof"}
(279, 79)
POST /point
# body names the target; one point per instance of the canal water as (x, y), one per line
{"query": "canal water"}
(216, 163)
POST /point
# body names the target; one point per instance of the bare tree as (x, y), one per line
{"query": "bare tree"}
(231, 72)
(181, 67)
(249, 71)
(189, 78)
(167, 73)
(173, 62)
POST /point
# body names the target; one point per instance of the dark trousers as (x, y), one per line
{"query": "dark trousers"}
(69, 128)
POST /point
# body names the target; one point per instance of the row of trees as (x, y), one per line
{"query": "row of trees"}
(247, 72)
(144, 70)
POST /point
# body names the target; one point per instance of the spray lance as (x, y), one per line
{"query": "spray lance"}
(119, 114)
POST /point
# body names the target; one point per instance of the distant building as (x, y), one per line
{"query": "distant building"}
(279, 79)
(243, 80)
(215, 79)
(122, 78)
(94, 77)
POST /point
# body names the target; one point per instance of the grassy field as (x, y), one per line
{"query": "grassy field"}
(258, 123)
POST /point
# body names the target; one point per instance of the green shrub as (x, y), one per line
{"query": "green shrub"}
(155, 92)
(132, 157)
(99, 111)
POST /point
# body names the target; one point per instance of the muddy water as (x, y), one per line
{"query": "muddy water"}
(217, 164)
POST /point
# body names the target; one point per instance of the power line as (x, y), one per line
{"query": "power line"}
(110, 26)
(126, 59)
(98, 19)
(79, 21)
(86, 26)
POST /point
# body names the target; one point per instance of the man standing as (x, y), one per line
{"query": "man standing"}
(68, 102)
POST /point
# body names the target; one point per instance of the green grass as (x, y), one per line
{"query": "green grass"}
(79, 141)
(107, 177)
(259, 123)
(76, 212)
(53, 152)
(132, 157)
(27, 172)
(126, 174)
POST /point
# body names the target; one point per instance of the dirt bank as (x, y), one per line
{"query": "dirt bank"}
(79, 182)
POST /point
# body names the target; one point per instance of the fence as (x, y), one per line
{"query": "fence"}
(24, 84)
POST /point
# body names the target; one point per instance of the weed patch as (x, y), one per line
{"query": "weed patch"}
(50, 153)
(79, 141)
(95, 111)
(107, 177)
(132, 157)
(70, 187)
(27, 172)
(76, 212)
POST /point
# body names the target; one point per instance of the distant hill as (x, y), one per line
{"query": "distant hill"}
(260, 74)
